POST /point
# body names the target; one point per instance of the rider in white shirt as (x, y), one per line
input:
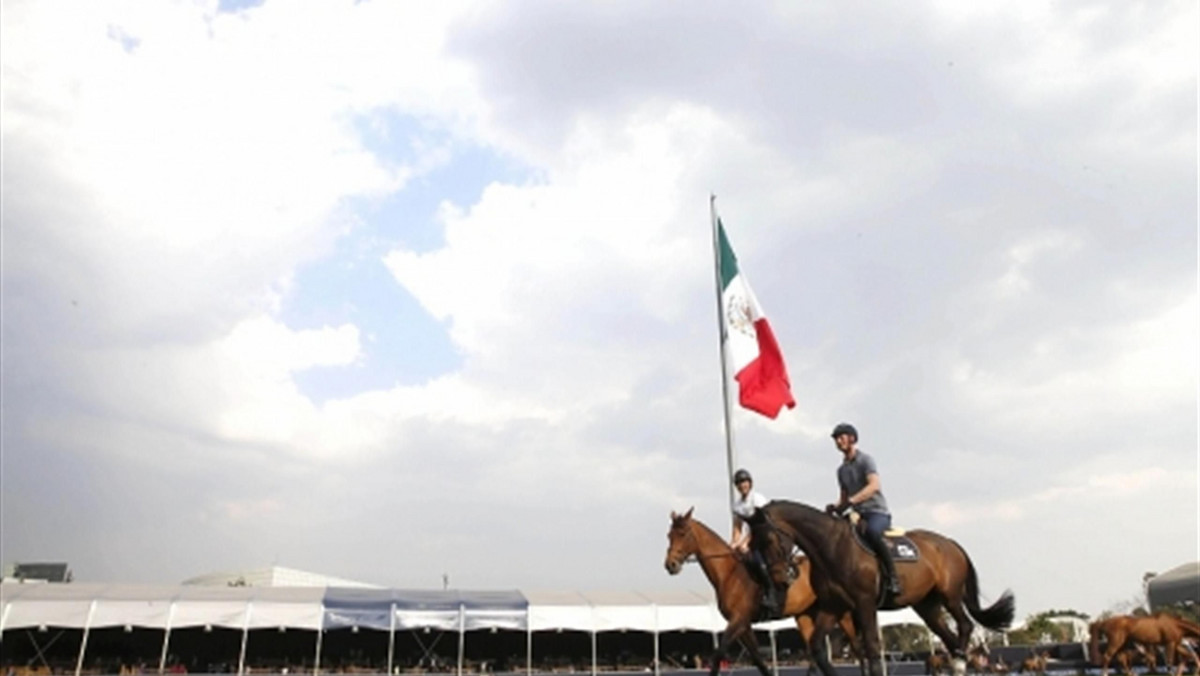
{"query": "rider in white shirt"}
(744, 503)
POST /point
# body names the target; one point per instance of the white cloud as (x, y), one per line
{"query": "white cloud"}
(1073, 376)
(1094, 491)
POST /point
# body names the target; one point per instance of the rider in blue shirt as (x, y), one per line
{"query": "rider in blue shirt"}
(862, 491)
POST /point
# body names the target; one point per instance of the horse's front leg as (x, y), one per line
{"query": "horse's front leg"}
(1114, 646)
(804, 624)
(750, 643)
(1172, 655)
(847, 625)
(732, 632)
(822, 624)
(868, 628)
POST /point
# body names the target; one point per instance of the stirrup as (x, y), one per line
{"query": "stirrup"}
(887, 598)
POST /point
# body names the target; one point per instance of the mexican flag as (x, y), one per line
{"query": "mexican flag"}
(750, 348)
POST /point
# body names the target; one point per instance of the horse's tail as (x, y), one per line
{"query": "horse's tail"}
(997, 616)
(1188, 627)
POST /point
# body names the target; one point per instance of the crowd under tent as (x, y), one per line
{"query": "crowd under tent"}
(330, 624)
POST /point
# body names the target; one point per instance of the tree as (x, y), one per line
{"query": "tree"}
(1039, 628)
(906, 638)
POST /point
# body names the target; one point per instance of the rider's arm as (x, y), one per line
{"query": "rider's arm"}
(870, 489)
(740, 535)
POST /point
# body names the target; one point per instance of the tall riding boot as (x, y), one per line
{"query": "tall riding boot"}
(887, 567)
(770, 597)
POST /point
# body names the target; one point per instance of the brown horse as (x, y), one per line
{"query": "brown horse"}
(845, 577)
(1035, 664)
(977, 660)
(936, 663)
(738, 593)
(1150, 631)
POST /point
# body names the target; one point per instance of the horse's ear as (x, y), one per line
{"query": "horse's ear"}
(674, 516)
(688, 515)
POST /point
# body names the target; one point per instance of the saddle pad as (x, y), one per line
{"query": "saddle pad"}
(901, 547)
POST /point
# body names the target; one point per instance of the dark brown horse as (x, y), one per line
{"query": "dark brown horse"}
(1150, 631)
(845, 577)
(738, 593)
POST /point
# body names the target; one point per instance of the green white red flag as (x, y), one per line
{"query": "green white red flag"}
(752, 354)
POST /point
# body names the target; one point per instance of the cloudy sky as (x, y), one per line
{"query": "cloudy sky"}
(390, 290)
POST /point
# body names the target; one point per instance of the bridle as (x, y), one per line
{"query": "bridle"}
(696, 556)
(785, 542)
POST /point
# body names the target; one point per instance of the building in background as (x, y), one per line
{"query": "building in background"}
(1178, 586)
(37, 572)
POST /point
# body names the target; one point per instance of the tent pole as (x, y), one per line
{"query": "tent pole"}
(320, 635)
(656, 667)
(528, 648)
(391, 638)
(593, 652)
(4, 618)
(774, 653)
(162, 659)
(882, 650)
(245, 638)
(461, 635)
(87, 627)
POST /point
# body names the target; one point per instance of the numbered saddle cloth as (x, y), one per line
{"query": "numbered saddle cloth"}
(901, 547)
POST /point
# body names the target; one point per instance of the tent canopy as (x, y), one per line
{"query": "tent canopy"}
(159, 607)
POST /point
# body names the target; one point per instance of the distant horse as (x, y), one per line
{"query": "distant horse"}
(936, 663)
(977, 660)
(1160, 629)
(738, 593)
(846, 577)
(1034, 664)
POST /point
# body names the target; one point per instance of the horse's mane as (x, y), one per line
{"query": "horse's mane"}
(790, 504)
(706, 528)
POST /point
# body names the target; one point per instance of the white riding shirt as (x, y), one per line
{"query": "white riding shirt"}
(744, 507)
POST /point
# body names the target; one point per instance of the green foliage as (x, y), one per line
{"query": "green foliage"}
(1039, 628)
(1065, 613)
(906, 638)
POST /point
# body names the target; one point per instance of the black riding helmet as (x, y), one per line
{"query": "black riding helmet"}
(845, 428)
(742, 475)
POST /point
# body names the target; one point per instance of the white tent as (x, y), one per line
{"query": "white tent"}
(92, 606)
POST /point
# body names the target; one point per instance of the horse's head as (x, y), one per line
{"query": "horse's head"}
(774, 542)
(681, 542)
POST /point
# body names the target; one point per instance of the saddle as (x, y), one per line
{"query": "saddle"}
(900, 546)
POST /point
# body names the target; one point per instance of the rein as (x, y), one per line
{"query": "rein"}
(696, 555)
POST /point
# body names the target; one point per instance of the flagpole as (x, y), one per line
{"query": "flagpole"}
(712, 210)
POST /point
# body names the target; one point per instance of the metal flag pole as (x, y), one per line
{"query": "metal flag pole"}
(716, 224)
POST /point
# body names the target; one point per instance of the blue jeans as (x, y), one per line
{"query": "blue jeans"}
(877, 522)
